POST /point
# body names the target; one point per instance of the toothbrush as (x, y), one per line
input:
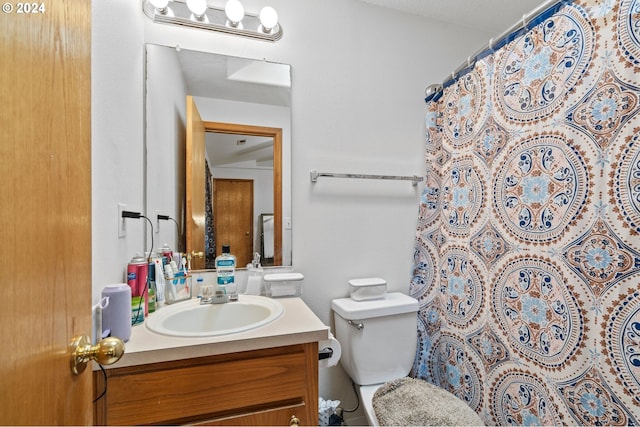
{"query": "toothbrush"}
(185, 271)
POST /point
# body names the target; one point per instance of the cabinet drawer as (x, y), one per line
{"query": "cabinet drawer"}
(270, 417)
(208, 388)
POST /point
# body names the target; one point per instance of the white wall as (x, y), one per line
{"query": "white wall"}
(117, 156)
(359, 73)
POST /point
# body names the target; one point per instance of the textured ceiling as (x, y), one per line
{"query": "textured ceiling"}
(492, 16)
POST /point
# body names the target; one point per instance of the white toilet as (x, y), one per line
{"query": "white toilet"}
(378, 339)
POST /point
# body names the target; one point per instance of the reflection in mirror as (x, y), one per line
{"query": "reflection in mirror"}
(235, 94)
(229, 208)
(266, 239)
(240, 187)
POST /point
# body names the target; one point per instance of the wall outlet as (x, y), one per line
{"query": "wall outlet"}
(122, 224)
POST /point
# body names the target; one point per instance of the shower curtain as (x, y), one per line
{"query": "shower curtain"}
(527, 255)
(209, 232)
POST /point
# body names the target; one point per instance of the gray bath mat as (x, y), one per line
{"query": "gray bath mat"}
(412, 402)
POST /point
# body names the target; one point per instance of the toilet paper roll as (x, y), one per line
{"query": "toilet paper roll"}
(334, 345)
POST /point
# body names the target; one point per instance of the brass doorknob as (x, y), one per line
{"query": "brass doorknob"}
(195, 254)
(294, 421)
(107, 352)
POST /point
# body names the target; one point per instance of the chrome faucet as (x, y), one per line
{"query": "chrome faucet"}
(212, 294)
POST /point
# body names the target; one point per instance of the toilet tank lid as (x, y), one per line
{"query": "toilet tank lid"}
(392, 303)
(367, 281)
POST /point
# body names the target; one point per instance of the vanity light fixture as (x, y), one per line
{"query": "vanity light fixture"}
(268, 18)
(231, 20)
(160, 5)
(235, 12)
(198, 8)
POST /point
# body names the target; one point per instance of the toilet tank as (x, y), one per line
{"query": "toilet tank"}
(378, 337)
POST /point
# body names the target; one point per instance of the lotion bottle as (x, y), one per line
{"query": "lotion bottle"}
(254, 280)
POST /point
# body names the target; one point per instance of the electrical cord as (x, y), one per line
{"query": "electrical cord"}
(168, 218)
(135, 215)
(177, 231)
(355, 390)
(144, 293)
(104, 376)
(150, 250)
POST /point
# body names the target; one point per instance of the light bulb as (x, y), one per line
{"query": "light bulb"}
(160, 5)
(197, 7)
(268, 18)
(234, 11)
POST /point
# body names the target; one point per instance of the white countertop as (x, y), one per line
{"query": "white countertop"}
(297, 325)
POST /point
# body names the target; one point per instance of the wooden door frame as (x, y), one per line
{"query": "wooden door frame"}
(276, 134)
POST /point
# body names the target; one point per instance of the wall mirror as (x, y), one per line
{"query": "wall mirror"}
(219, 186)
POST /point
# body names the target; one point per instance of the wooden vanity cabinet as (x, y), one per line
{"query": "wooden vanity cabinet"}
(273, 386)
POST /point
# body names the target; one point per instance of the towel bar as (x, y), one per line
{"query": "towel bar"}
(315, 175)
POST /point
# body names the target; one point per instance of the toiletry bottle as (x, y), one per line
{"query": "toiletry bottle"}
(166, 251)
(137, 271)
(198, 288)
(159, 282)
(225, 264)
(151, 291)
(254, 279)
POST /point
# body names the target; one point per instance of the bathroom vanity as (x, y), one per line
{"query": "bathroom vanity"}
(265, 376)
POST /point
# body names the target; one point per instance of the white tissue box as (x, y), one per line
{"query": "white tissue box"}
(283, 285)
(367, 288)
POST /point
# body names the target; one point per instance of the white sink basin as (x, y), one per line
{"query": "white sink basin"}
(190, 319)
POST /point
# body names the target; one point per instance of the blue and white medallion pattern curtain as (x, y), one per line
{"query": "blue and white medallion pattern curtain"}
(527, 256)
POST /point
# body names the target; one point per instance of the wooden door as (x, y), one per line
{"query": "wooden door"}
(195, 178)
(233, 217)
(45, 210)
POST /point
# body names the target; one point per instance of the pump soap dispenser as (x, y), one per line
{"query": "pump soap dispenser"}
(255, 272)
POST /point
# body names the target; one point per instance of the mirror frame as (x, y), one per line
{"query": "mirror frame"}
(276, 134)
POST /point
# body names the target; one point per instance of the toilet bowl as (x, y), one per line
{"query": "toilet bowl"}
(378, 340)
(366, 393)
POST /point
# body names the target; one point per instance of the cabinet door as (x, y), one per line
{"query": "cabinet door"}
(275, 382)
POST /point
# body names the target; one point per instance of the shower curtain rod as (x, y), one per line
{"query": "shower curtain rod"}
(315, 174)
(538, 15)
